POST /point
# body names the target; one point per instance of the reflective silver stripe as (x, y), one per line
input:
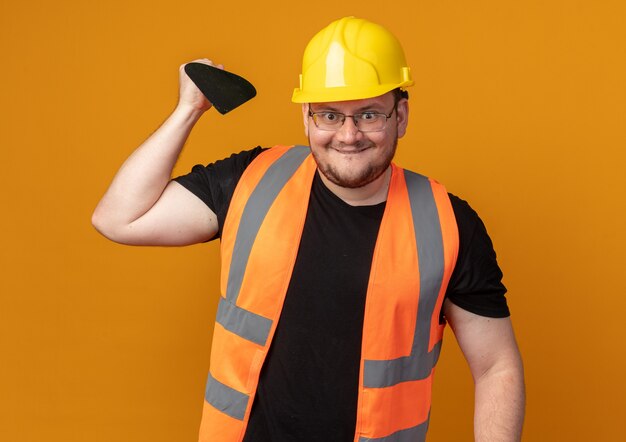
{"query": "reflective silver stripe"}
(226, 399)
(413, 434)
(379, 374)
(255, 211)
(419, 364)
(242, 322)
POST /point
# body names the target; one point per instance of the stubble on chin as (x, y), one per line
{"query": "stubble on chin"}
(344, 180)
(369, 174)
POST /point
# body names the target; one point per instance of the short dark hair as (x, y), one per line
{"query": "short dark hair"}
(399, 94)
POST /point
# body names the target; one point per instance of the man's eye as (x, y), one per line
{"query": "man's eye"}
(368, 116)
(329, 117)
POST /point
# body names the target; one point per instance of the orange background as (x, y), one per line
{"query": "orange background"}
(519, 107)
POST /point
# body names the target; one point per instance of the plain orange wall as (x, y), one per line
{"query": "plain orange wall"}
(519, 107)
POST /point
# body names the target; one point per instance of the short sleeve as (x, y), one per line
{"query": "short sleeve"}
(215, 183)
(476, 282)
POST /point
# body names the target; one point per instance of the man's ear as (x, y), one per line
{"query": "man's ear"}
(402, 112)
(305, 117)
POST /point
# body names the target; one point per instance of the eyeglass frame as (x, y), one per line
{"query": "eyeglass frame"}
(353, 116)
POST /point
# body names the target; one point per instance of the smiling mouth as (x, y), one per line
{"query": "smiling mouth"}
(351, 150)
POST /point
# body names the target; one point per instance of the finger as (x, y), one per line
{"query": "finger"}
(204, 61)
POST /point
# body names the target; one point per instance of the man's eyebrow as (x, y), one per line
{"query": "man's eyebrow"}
(371, 108)
(375, 107)
(324, 109)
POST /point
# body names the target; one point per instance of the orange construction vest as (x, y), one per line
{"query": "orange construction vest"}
(415, 253)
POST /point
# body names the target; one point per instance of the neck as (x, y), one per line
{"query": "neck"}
(368, 195)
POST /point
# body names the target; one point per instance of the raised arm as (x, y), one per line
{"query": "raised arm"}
(491, 351)
(142, 206)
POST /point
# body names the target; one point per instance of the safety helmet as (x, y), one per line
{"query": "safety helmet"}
(351, 59)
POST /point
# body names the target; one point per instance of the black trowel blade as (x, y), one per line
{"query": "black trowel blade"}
(223, 89)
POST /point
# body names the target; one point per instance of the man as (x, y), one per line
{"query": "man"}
(339, 268)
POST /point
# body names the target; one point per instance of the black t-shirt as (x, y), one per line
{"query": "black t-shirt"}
(309, 383)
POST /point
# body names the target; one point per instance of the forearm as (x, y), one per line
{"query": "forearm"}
(499, 404)
(142, 178)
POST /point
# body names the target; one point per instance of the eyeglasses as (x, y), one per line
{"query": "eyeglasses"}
(365, 121)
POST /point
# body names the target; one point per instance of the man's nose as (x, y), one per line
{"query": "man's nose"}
(349, 132)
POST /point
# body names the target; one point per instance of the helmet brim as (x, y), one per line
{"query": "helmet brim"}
(329, 95)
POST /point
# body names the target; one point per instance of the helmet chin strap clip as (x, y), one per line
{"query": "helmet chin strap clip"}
(223, 89)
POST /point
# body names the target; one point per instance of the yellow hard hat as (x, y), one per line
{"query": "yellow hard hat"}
(351, 59)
